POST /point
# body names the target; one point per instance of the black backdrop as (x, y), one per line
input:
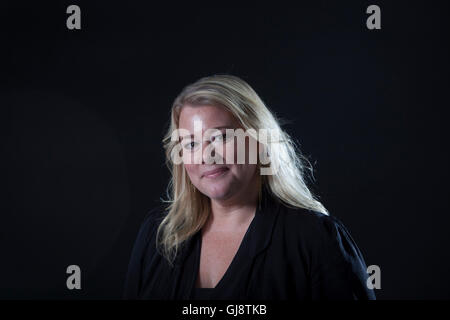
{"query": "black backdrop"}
(83, 113)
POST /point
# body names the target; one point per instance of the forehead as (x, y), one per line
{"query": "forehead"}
(210, 116)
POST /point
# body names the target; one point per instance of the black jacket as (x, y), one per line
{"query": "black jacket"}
(285, 254)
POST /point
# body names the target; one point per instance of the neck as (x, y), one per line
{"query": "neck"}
(233, 213)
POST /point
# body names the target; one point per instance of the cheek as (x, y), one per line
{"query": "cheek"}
(248, 151)
(243, 157)
(191, 170)
(243, 172)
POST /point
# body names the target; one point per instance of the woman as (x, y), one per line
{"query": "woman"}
(239, 226)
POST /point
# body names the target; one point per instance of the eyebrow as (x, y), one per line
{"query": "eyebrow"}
(219, 127)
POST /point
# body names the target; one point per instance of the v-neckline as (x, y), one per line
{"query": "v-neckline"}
(241, 247)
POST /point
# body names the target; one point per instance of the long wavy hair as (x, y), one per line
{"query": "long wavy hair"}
(187, 208)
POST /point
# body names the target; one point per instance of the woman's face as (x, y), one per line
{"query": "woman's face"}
(230, 178)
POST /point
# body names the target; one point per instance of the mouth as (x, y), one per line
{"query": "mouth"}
(215, 173)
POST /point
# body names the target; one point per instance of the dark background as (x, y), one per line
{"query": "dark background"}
(83, 113)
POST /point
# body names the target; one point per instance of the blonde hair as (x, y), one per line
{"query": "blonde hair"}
(188, 209)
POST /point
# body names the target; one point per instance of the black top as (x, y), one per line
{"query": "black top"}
(286, 253)
(203, 293)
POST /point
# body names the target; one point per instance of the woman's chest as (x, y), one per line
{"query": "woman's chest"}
(216, 256)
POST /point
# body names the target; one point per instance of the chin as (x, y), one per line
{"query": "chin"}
(217, 192)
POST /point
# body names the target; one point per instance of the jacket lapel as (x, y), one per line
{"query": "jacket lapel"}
(265, 220)
(185, 268)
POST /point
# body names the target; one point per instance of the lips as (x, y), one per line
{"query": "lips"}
(215, 172)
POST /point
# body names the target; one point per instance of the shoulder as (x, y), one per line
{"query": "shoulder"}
(145, 240)
(334, 262)
(154, 215)
(319, 234)
(141, 252)
(308, 223)
(150, 224)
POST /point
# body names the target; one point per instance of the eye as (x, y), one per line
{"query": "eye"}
(220, 137)
(191, 145)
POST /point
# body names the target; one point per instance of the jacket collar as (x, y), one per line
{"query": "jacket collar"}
(265, 218)
(259, 238)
